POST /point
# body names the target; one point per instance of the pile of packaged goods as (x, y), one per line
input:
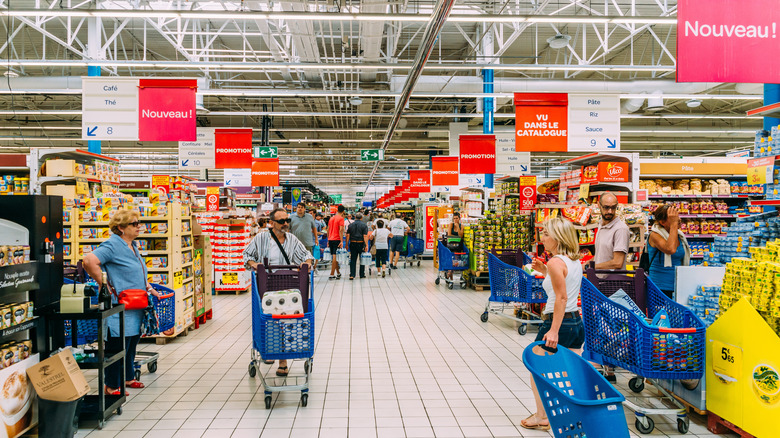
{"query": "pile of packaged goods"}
(706, 303)
(507, 188)
(516, 230)
(486, 236)
(699, 248)
(14, 185)
(740, 237)
(766, 143)
(692, 226)
(95, 169)
(693, 187)
(13, 314)
(586, 236)
(757, 280)
(697, 207)
(14, 255)
(14, 352)
(509, 206)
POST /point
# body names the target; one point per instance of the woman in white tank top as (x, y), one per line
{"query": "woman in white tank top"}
(562, 322)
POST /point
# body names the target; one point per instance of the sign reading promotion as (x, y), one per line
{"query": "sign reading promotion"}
(728, 41)
(265, 172)
(477, 154)
(233, 148)
(444, 171)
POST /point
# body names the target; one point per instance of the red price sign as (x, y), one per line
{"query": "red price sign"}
(212, 198)
(527, 192)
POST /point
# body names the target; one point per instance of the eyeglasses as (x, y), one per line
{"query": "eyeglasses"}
(282, 221)
(135, 224)
(609, 207)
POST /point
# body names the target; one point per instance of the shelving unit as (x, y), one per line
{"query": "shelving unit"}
(95, 174)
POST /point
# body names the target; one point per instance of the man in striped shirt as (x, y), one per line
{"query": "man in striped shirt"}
(288, 251)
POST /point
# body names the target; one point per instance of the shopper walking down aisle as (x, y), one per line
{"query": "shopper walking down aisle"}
(612, 236)
(667, 248)
(562, 324)
(398, 228)
(279, 247)
(357, 236)
(336, 240)
(120, 257)
(304, 227)
(380, 238)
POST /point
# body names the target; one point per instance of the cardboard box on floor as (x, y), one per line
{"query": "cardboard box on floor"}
(58, 378)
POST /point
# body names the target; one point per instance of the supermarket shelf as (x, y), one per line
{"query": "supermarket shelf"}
(512, 195)
(53, 179)
(772, 110)
(745, 196)
(154, 236)
(709, 216)
(67, 223)
(186, 265)
(187, 280)
(155, 252)
(83, 224)
(188, 233)
(189, 248)
(73, 154)
(188, 296)
(93, 240)
(697, 256)
(577, 227)
(702, 236)
(623, 185)
(597, 157)
(158, 270)
(153, 218)
(554, 205)
(766, 202)
(725, 175)
(636, 245)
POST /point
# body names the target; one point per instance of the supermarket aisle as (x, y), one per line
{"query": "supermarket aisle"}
(395, 357)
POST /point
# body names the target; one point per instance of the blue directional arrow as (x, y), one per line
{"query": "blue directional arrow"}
(91, 132)
(446, 189)
(523, 168)
(184, 163)
(479, 181)
(612, 144)
(227, 183)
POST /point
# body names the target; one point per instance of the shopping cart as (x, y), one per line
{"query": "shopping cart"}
(325, 256)
(450, 262)
(164, 308)
(283, 337)
(615, 336)
(578, 400)
(511, 288)
(414, 249)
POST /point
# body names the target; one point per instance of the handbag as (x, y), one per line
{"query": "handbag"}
(133, 299)
(315, 252)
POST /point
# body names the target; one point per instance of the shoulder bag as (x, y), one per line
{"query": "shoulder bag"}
(133, 299)
(286, 259)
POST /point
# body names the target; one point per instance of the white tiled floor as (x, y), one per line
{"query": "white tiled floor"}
(395, 357)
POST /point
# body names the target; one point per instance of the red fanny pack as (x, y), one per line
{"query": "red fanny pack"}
(134, 299)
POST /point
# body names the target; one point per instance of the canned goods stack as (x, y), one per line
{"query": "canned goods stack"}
(14, 185)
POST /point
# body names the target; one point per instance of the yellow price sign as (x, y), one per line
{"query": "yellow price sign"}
(759, 170)
(212, 190)
(178, 280)
(82, 186)
(726, 361)
(230, 278)
(584, 190)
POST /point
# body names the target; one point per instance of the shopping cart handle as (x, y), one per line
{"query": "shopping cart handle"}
(162, 297)
(676, 330)
(300, 315)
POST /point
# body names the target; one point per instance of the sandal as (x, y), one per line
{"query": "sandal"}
(114, 392)
(536, 426)
(338, 277)
(282, 371)
(134, 384)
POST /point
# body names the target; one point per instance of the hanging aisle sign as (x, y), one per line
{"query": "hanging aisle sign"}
(166, 109)
(233, 148)
(237, 178)
(508, 160)
(444, 172)
(198, 154)
(477, 154)
(594, 123)
(265, 172)
(420, 180)
(109, 108)
(541, 122)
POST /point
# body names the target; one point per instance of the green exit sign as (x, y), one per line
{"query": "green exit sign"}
(359, 194)
(372, 154)
(335, 199)
(265, 152)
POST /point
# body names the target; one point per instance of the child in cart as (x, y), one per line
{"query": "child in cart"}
(279, 247)
(562, 322)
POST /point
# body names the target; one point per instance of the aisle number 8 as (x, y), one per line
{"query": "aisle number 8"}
(110, 130)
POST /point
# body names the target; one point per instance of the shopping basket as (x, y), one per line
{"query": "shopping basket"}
(579, 401)
(414, 249)
(450, 262)
(616, 336)
(513, 288)
(631, 282)
(277, 337)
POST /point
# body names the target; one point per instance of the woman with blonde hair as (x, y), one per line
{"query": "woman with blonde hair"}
(562, 324)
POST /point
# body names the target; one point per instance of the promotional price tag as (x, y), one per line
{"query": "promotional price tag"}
(760, 170)
(726, 361)
(584, 190)
(82, 186)
(178, 280)
(229, 278)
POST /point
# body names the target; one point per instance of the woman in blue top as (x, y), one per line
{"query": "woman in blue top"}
(667, 248)
(120, 257)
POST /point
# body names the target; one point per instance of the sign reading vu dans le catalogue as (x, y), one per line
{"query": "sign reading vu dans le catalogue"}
(138, 109)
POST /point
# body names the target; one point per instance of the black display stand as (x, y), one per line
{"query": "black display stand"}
(100, 406)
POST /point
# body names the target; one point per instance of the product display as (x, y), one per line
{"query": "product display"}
(228, 238)
(694, 187)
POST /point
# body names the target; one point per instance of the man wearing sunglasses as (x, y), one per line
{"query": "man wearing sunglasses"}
(285, 249)
(612, 236)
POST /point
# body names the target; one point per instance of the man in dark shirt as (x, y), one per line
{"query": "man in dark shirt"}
(357, 235)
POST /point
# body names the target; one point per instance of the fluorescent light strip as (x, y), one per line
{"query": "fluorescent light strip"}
(337, 16)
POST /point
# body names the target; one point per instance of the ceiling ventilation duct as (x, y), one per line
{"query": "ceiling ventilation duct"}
(655, 102)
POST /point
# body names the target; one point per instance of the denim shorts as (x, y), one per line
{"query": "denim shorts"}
(571, 334)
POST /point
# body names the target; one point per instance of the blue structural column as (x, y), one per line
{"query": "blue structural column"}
(93, 145)
(487, 113)
(771, 95)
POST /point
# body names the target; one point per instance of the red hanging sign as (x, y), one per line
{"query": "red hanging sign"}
(212, 198)
(541, 122)
(420, 181)
(444, 171)
(527, 192)
(233, 148)
(265, 172)
(166, 109)
(477, 154)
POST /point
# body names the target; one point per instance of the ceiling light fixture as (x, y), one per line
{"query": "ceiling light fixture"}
(355, 101)
(693, 103)
(559, 41)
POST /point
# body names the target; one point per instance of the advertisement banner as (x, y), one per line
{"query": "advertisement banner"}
(527, 192)
(233, 148)
(477, 154)
(430, 215)
(727, 41)
(212, 198)
(198, 154)
(166, 109)
(420, 180)
(541, 122)
(444, 171)
(297, 194)
(265, 173)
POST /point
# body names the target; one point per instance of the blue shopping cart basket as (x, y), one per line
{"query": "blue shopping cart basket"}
(512, 284)
(579, 401)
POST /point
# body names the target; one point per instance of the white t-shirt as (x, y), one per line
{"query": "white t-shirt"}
(573, 283)
(380, 238)
(397, 227)
(275, 256)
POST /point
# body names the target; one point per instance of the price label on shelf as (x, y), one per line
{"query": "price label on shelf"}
(229, 278)
(82, 186)
(178, 280)
(760, 170)
(726, 361)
